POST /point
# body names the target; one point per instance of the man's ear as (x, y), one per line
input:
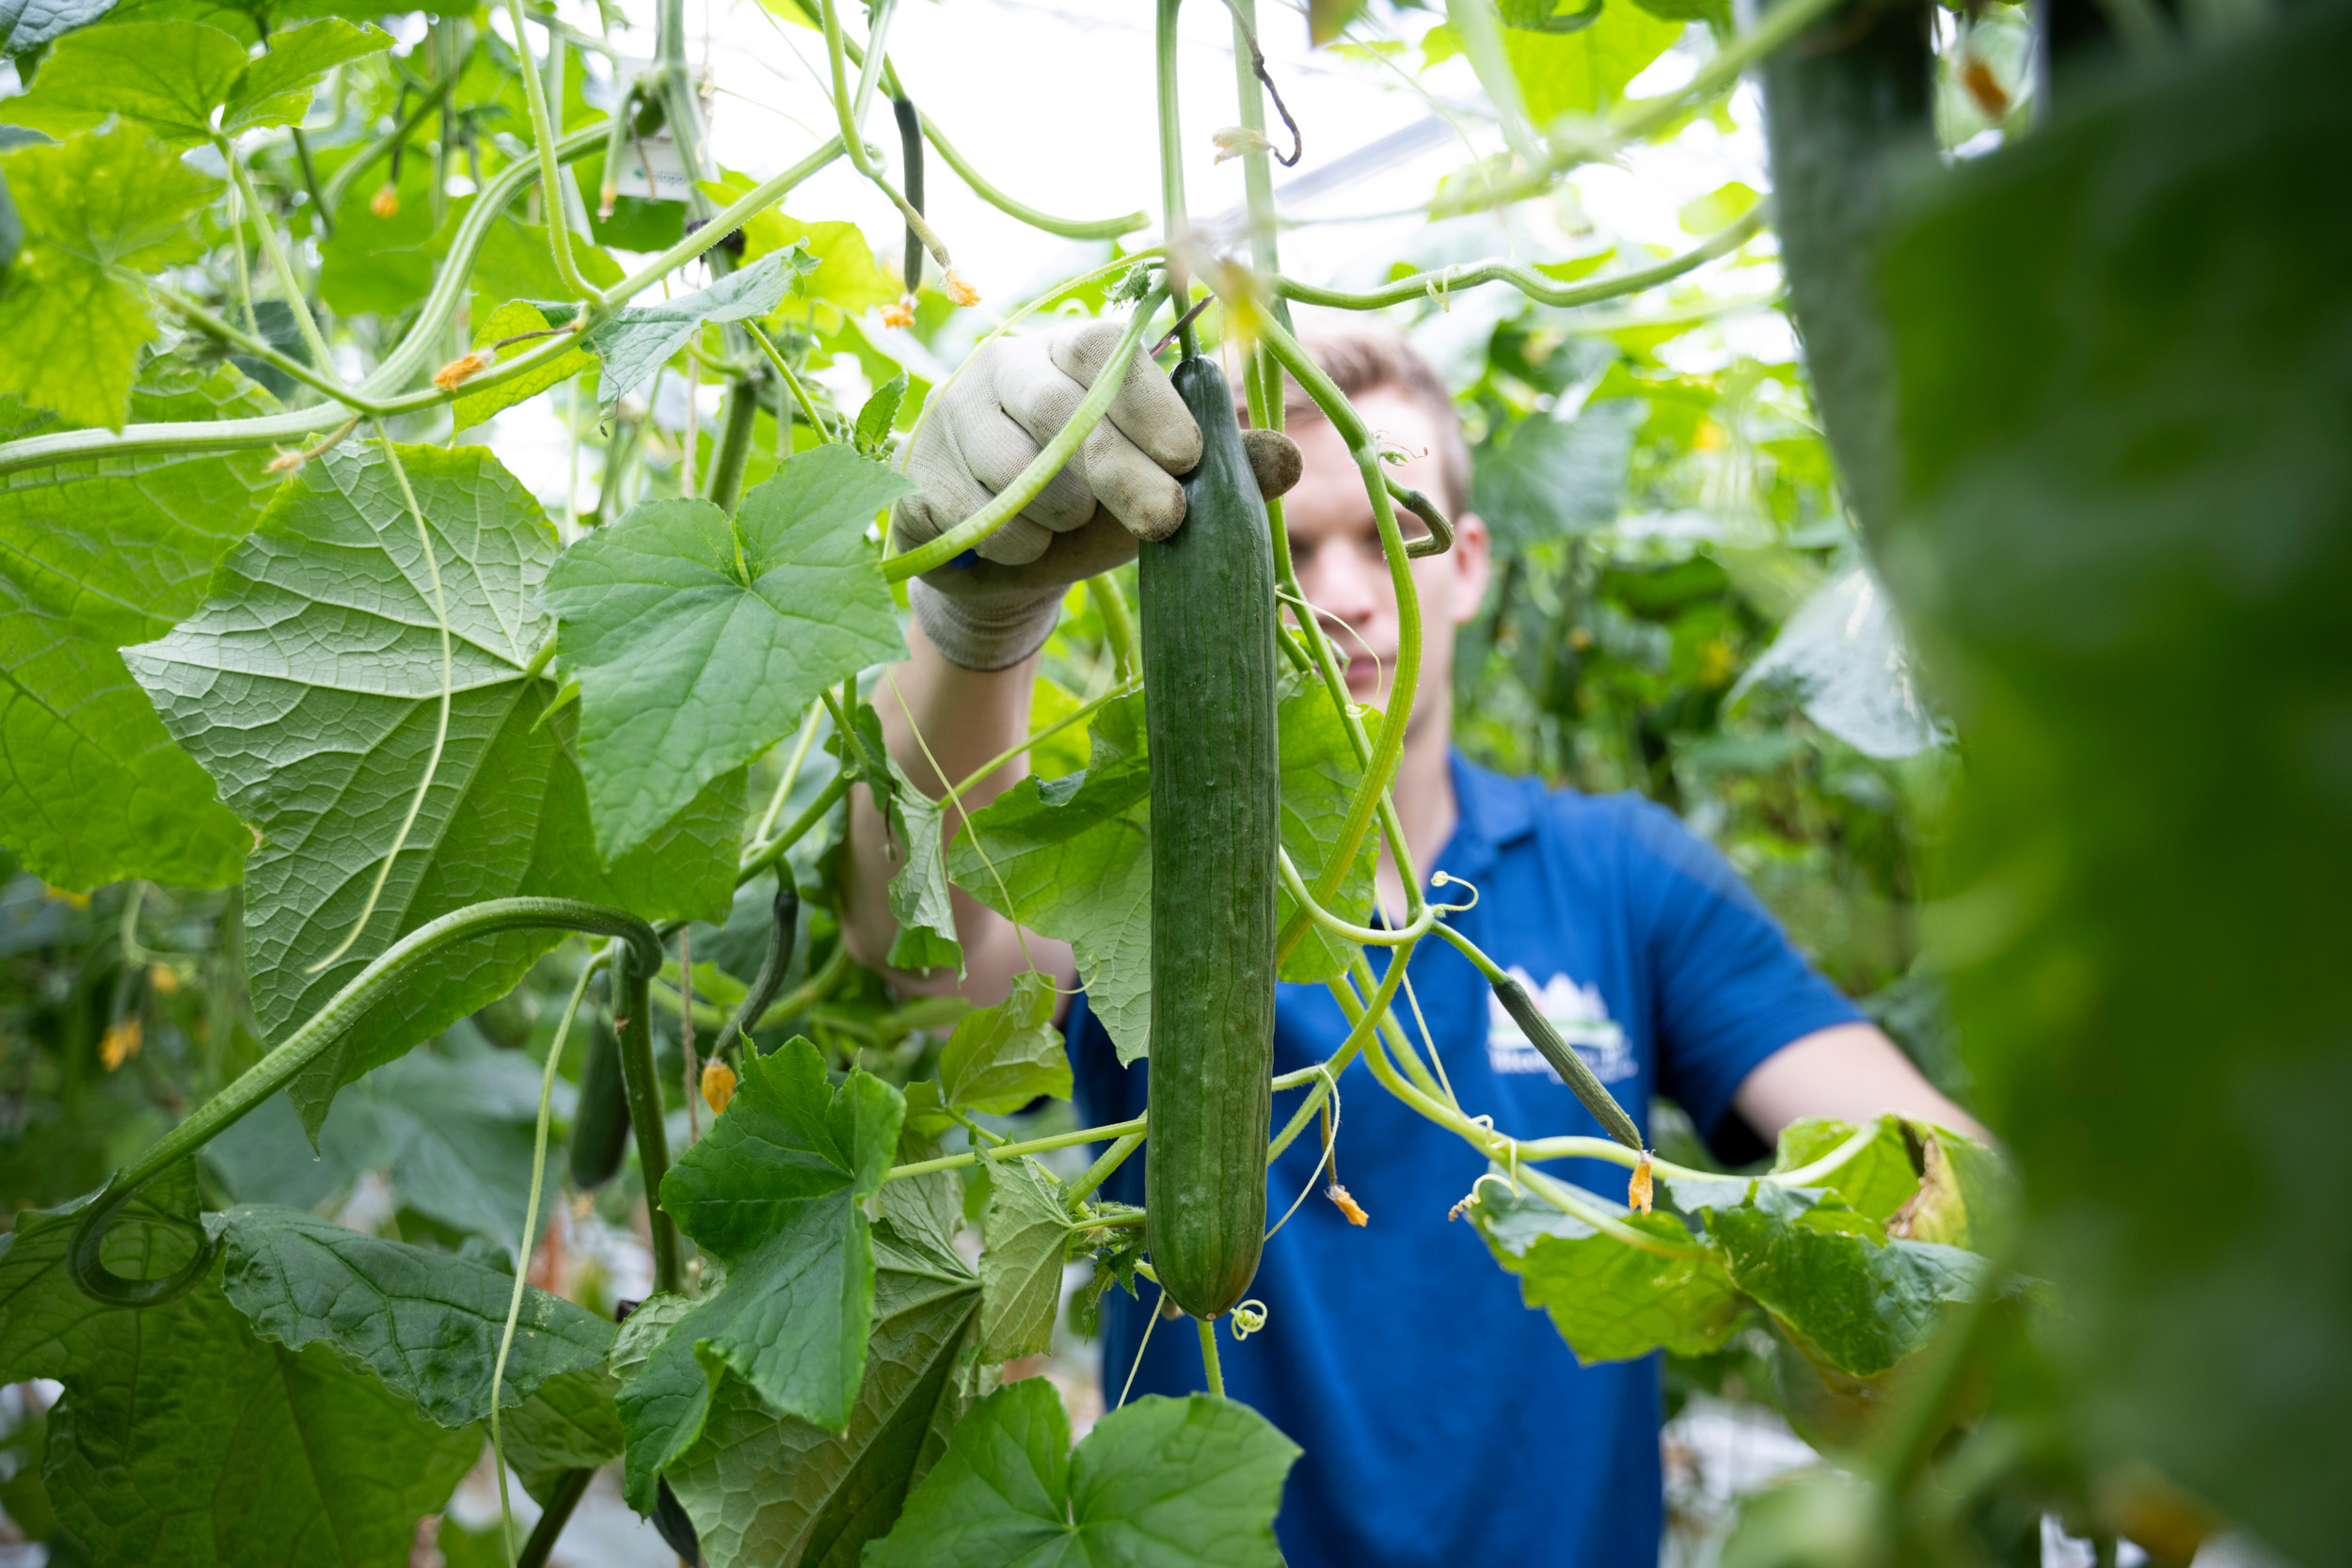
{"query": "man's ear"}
(1473, 564)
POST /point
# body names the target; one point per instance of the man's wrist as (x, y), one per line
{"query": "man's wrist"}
(985, 633)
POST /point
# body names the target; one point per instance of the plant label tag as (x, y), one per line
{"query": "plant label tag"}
(652, 167)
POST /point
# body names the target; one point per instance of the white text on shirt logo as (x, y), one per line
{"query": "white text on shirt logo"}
(1580, 1015)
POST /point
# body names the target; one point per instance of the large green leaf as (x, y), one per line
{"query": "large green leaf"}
(1875, 1181)
(1026, 1230)
(1610, 1301)
(167, 76)
(1831, 1274)
(639, 339)
(513, 319)
(427, 1322)
(1541, 478)
(73, 334)
(184, 1439)
(2126, 546)
(311, 685)
(277, 89)
(569, 1424)
(699, 640)
(1072, 858)
(777, 1191)
(94, 555)
(1000, 1058)
(780, 1493)
(27, 24)
(109, 197)
(1158, 1484)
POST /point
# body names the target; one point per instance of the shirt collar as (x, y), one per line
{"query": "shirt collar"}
(1491, 812)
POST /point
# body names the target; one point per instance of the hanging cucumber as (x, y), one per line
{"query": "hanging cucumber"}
(1208, 619)
(600, 1126)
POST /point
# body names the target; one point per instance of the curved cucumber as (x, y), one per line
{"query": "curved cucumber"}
(1208, 619)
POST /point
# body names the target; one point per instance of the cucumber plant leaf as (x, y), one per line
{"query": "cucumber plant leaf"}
(640, 338)
(1610, 1301)
(1864, 1301)
(1025, 1233)
(310, 685)
(1319, 778)
(27, 24)
(780, 1492)
(425, 1323)
(511, 319)
(183, 1438)
(1875, 1181)
(167, 76)
(776, 1191)
(1175, 1483)
(109, 197)
(1000, 1058)
(699, 640)
(569, 1424)
(277, 89)
(92, 555)
(919, 898)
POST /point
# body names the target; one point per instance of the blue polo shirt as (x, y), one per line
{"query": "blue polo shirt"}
(1444, 1422)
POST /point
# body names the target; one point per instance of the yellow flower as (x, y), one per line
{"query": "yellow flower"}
(900, 311)
(164, 978)
(1348, 1205)
(1637, 1192)
(960, 292)
(120, 1043)
(458, 371)
(79, 900)
(385, 204)
(718, 1085)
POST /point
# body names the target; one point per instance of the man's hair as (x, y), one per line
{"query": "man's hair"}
(1363, 357)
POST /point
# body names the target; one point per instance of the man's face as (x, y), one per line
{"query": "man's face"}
(1335, 544)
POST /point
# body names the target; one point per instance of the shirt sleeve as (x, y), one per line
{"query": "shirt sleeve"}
(1727, 988)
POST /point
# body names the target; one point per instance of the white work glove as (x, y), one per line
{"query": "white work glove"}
(1119, 487)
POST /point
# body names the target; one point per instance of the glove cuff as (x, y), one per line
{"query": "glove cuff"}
(993, 631)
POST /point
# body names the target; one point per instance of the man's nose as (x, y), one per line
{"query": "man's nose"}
(1337, 583)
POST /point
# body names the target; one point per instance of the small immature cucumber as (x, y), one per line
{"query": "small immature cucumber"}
(600, 1126)
(1208, 650)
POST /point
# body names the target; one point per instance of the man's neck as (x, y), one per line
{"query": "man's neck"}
(1423, 793)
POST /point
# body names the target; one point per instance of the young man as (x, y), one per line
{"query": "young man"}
(1442, 1421)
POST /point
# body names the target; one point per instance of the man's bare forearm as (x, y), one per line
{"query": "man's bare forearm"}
(964, 717)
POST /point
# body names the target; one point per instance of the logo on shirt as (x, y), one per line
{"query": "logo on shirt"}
(1580, 1015)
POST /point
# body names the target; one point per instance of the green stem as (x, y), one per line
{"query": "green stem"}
(310, 184)
(1530, 283)
(807, 739)
(1375, 936)
(854, 144)
(1208, 1364)
(1078, 715)
(1380, 768)
(530, 1220)
(1010, 1151)
(324, 1029)
(1175, 224)
(1042, 468)
(1119, 625)
(543, 136)
(215, 327)
(769, 853)
(570, 1487)
(340, 182)
(633, 1023)
(791, 382)
(1068, 229)
(724, 487)
(1100, 1172)
(266, 228)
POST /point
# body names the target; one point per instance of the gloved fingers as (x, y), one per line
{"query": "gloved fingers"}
(1275, 460)
(1147, 410)
(1129, 485)
(1098, 547)
(994, 450)
(951, 493)
(1038, 398)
